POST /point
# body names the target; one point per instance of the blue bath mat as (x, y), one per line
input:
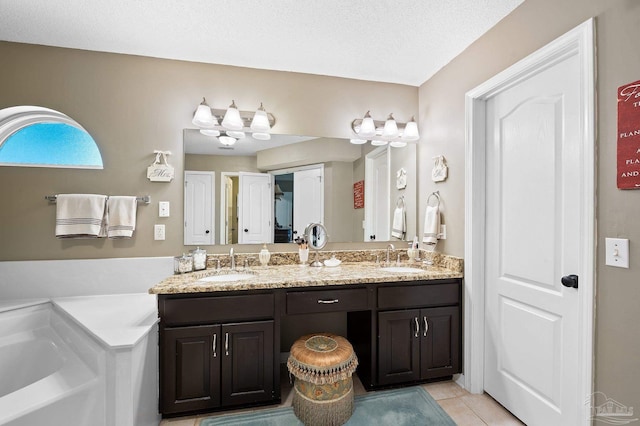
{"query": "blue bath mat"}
(400, 407)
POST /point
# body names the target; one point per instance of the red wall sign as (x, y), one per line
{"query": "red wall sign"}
(629, 136)
(358, 195)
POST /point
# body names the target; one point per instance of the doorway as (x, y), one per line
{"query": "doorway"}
(301, 202)
(530, 220)
(229, 208)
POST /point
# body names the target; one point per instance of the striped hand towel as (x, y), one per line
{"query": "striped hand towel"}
(80, 215)
(121, 216)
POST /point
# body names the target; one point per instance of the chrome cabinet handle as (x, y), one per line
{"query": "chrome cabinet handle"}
(213, 345)
(327, 301)
(426, 326)
(417, 326)
(226, 344)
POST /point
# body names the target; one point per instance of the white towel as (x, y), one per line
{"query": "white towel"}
(121, 216)
(80, 215)
(399, 226)
(431, 225)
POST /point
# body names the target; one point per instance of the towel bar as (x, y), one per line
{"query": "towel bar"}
(145, 199)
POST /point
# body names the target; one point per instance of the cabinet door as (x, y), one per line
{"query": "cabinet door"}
(190, 369)
(247, 362)
(398, 346)
(440, 346)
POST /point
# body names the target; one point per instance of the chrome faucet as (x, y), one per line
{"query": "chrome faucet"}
(233, 259)
(389, 248)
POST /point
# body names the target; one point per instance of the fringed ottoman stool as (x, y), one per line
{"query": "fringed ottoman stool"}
(323, 391)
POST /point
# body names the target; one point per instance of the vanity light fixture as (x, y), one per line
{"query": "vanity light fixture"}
(203, 116)
(382, 132)
(235, 123)
(227, 140)
(232, 120)
(261, 136)
(410, 132)
(236, 134)
(260, 121)
(398, 144)
(367, 127)
(390, 130)
(210, 132)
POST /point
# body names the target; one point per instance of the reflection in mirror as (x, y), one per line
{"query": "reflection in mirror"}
(338, 166)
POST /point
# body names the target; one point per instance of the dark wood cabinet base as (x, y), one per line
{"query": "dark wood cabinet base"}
(222, 350)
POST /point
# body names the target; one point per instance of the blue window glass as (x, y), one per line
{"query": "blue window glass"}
(51, 145)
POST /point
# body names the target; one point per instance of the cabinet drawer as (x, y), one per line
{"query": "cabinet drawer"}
(303, 302)
(418, 296)
(207, 310)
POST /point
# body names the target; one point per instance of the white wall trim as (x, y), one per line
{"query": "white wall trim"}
(578, 41)
(27, 279)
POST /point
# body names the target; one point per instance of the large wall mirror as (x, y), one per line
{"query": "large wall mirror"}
(269, 191)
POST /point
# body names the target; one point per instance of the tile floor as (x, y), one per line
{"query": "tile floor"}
(464, 408)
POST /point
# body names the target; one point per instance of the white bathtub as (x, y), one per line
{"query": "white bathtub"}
(88, 360)
(50, 372)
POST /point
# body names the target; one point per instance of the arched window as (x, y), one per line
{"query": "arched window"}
(40, 137)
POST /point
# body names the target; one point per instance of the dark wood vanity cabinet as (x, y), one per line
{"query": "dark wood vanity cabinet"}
(204, 367)
(420, 343)
(221, 350)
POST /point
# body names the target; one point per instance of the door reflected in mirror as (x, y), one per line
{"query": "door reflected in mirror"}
(307, 180)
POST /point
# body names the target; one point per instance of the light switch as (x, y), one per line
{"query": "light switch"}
(163, 209)
(158, 232)
(617, 252)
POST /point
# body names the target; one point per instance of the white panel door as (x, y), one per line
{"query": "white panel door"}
(533, 221)
(377, 198)
(255, 208)
(308, 199)
(198, 208)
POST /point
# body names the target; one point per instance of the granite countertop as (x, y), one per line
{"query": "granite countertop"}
(293, 275)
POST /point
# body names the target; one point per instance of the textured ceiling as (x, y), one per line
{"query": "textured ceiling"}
(379, 40)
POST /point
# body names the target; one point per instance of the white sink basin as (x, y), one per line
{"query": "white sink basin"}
(402, 269)
(227, 277)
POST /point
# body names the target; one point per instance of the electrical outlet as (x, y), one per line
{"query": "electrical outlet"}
(443, 232)
(163, 209)
(158, 232)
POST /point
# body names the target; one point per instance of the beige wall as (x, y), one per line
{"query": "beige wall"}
(132, 105)
(531, 26)
(314, 151)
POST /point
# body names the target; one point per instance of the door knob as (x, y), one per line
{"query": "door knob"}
(246, 230)
(570, 281)
(206, 232)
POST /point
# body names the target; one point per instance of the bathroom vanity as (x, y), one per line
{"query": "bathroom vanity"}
(220, 340)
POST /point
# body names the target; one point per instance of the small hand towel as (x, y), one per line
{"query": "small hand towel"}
(80, 215)
(121, 216)
(399, 226)
(431, 225)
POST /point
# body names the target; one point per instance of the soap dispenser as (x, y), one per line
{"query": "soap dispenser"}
(264, 255)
